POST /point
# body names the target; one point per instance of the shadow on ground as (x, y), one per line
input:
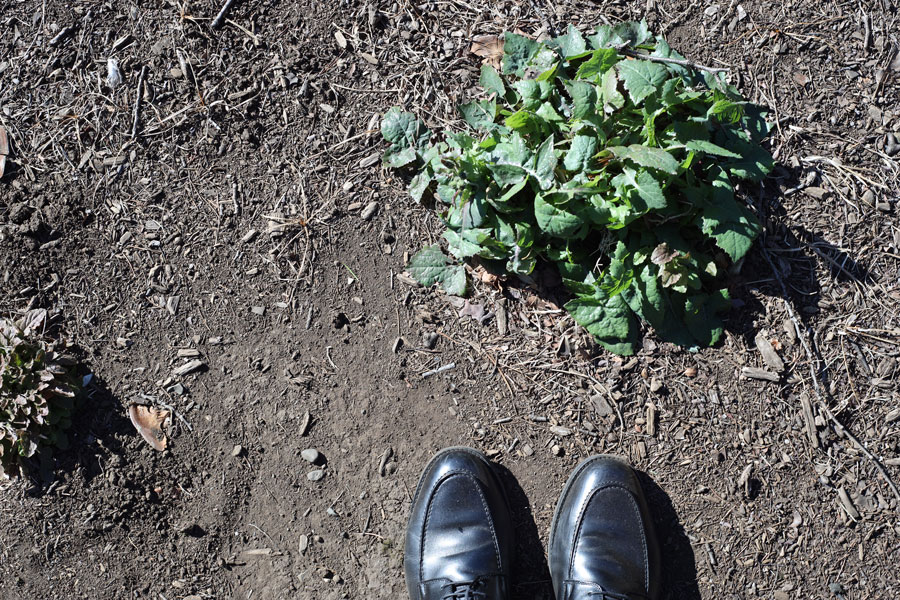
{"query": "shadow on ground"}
(530, 573)
(679, 569)
(96, 421)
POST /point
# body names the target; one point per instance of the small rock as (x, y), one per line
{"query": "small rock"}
(556, 450)
(316, 475)
(369, 211)
(304, 543)
(601, 405)
(238, 450)
(869, 197)
(310, 455)
(655, 385)
(560, 430)
(527, 450)
(429, 339)
(258, 310)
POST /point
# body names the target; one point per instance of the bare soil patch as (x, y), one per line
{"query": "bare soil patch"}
(245, 222)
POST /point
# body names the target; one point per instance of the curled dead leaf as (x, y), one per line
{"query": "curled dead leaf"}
(488, 47)
(150, 423)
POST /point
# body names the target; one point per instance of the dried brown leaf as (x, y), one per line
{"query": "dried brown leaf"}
(149, 422)
(488, 47)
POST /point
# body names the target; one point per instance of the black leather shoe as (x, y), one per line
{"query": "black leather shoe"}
(602, 543)
(459, 540)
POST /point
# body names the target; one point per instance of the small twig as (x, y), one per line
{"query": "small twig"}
(674, 61)
(63, 34)
(867, 36)
(138, 102)
(446, 367)
(220, 18)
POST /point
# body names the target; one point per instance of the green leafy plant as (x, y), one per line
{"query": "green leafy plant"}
(37, 391)
(610, 156)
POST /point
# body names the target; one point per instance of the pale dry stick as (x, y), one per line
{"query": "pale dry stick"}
(252, 35)
(841, 167)
(138, 101)
(341, 143)
(367, 91)
(813, 363)
(674, 61)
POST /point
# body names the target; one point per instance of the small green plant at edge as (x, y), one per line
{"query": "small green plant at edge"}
(37, 391)
(607, 157)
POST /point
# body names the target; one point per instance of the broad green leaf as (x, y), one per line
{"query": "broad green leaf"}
(544, 163)
(480, 114)
(401, 158)
(655, 158)
(600, 62)
(605, 37)
(548, 113)
(518, 51)
(609, 91)
(641, 78)
(652, 303)
(647, 187)
(430, 266)
(754, 162)
(732, 226)
(633, 33)
(511, 192)
(507, 174)
(701, 315)
(548, 74)
(582, 148)
(403, 130)
(513, 151)
(532, 92)
(710, 148)
(523, 121)
(571, 44)
(455, 282)
(418, 185)
(726, 111)
(459, 247)
(584, 98)
(491, 81)
(554, 220)
(609, 320)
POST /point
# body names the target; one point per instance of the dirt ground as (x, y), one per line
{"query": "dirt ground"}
(246, 219)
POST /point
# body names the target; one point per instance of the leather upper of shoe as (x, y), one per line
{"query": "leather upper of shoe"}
(459, 541)
(602, 543)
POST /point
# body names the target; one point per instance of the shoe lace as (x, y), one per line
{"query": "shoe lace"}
(463, 590)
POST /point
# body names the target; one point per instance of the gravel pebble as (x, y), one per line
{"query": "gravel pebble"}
(310, 455)
(316, 475)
